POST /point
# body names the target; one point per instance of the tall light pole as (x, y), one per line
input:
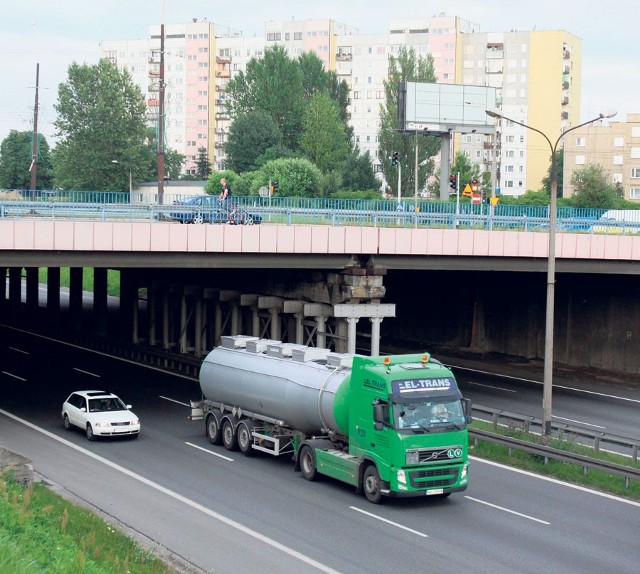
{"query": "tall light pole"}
(551, 266)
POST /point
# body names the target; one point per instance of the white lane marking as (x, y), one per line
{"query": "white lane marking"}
(508, 510)
(19, 351)
(492, 387)
(579, 422)
(556, 481)
(12, 375)
(174, 401)
(209, 451)
(389, 522)
(183, 499)
(542, 383)
(86, 372)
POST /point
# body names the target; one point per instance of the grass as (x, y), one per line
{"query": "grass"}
(595, 479)
(42, 532)
(113, 279)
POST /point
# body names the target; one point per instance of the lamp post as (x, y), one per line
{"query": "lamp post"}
(130, 177)
(551, 266)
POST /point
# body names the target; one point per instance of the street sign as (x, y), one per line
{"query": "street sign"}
(467, 191)
(263, 191)
(477, 198)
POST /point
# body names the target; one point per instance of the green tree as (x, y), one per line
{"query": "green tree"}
(467, 170)
(405, 67)
(251, 135)
(357, 172)
(296, 177)
(546, 180)
(592, 188)
(324, 139)
(203, 165)
(273, 84)
(213, 183)
(101, 118)
(16, 153)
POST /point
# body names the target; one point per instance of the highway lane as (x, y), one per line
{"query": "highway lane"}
(506, 521)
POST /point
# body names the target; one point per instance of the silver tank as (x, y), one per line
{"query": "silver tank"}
(291, 383)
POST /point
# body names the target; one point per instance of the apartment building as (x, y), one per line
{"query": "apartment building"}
(537, 75)
(614, 146)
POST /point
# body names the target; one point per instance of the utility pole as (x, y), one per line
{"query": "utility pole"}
(161, 120)
(34, 150)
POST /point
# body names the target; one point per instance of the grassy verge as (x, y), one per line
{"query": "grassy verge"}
(42, 532)
(113, 279)
(569, 472)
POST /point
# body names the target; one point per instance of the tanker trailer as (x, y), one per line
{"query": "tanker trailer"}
(390, 426)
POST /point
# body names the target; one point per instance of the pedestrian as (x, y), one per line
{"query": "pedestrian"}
(226, 190)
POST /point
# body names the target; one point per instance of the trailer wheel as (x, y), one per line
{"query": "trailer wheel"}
(244, 434)
(212, 429)
(308, 463)
(371, 483)
(229, 437)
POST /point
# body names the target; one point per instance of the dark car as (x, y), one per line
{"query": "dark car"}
(209, 209)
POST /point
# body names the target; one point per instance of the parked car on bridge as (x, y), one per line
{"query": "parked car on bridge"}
(99, 413)
(209, 209)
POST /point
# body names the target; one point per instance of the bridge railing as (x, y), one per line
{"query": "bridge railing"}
(103, 206)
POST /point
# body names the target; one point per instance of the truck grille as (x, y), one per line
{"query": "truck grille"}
(442, 454)
(438, 477)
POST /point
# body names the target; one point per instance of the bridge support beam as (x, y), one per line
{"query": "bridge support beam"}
(76, 308)
(374, 311)
(100, 303)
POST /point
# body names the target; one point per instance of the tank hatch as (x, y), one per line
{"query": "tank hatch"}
(235, 341)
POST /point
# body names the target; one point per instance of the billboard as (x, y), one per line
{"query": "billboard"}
(443, 108)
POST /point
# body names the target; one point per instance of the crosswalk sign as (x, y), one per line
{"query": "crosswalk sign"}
(467, 191)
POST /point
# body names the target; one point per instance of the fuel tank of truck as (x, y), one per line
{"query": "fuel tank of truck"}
(305, 387)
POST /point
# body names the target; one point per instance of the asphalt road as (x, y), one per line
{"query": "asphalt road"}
(224, 512)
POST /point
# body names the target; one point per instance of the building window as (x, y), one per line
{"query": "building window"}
(580, 142)
(635, 172)
(634, 193)
(635, 153)
(617, 178)
(618, 142)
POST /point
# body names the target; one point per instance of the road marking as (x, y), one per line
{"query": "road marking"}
(209, 451)
(19, 351)
(542, 383)
(491, 387)
(86, 372)
(556, 481)
(174, 401)
(183, 499)
(389, 522)
(508, 510)
(579, 422)
(12, 375)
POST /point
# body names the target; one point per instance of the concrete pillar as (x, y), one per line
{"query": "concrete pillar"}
(217, 334)
(53, 290)
(15, 288)
(235, 319)
(319, 312)
(299, 328)
(274, 305)
(100, 306)
(197, 335)
(375, 335)
(3, 290)
(352, 322)
(321, 332)
(75, 297)
(208, 318)
(33, 290)
(183, 323)
(166, 340)
(152, 298)
(128, 310)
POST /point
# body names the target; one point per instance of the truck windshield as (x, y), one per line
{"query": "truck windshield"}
(428, 415)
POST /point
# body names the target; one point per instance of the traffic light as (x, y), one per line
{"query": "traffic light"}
(474, 185)
(452, 182)
(274, 187)
(395, 156)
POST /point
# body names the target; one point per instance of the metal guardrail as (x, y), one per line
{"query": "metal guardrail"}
(627, 472)
(597, 439)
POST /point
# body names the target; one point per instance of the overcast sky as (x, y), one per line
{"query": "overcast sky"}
(59, 32)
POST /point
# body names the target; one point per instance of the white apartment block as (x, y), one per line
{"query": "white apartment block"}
(537, 76)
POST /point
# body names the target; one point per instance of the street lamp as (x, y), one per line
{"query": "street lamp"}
(551, 266)
(130, 178)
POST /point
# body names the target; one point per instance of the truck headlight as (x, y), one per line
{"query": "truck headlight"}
(465, 471)
(413, 457)
(402, 477)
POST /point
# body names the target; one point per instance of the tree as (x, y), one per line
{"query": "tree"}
(203, 165)
(546, 181)
(406, 67)
(101, 126)
(467, 170)
(251, 135)
(324, 139)
(592, 188)
(16, 153)
(273, 84)
(357, 172)
(296, 177)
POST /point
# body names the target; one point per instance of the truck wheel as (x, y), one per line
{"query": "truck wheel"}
(308, 463)
(212, 429)
(244, 432)
(229, 437)
(371, 483)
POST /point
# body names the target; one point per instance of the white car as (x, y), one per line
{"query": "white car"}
(99, 413)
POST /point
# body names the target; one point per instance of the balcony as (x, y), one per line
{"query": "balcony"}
(223, 74)
(223, 59)
(565, 101)
(344, 56)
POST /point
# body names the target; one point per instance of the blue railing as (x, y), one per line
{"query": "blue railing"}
(93, 205)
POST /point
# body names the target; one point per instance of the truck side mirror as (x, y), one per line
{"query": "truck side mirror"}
(379, 410)
(467, 407)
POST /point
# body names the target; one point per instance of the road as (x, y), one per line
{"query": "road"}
(224, 512)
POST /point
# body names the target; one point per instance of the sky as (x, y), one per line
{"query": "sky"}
(57, 33)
